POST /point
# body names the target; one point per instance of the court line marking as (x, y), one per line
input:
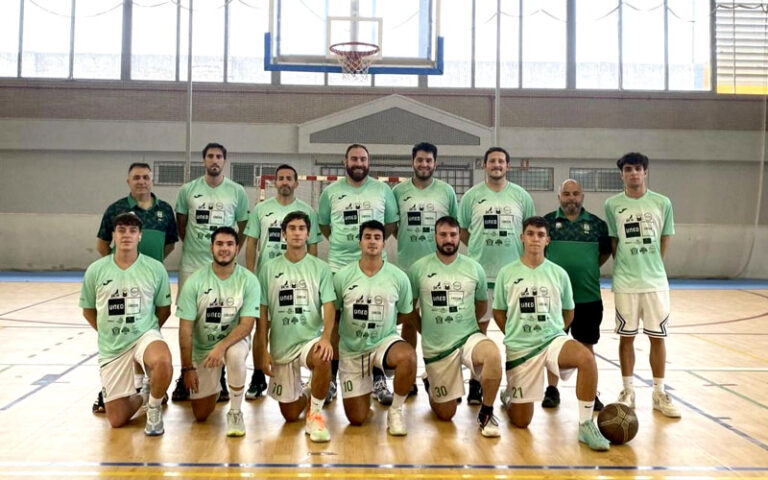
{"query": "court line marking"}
(723, 387)
(42, 386)
(39, 303)
(696, 409)
(731, 349)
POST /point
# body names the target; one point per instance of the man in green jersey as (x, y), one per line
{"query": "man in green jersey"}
(452, 293)
(491, 216)
(158, 233)
(217, 307)
(343, 207)
(264, 241)
(298, 314)
(420, 202)
(532, 305)
(640, 223)
(580, 244)
(203, 205)
(373, 296)
(126, 298)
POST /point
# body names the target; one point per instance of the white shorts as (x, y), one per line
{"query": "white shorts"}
(525, 382)
(117, 375)
(285, 382)
(209, 379)
(446, 382)
(356, 371)
(652, 308)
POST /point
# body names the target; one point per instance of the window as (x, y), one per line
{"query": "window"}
(245, 173)
(98, 39)
(643, 45)
(544, 43)
(172, 173)
(9, 38)
(153, 49)
(207, 41)
(457, 32)
(689, 49)
(247, 24)
(533, 178)
(46, 39)
(742, 43)
(597, 44)
(598, 179)
(485, 39)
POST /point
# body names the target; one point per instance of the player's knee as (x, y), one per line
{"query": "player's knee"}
(320, 364)
(357, 418)
(290, 413)
(116, 420)
(161, 365)
(444, 412)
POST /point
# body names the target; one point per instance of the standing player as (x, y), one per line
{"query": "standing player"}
(373, 296)
(420, 201)
(532, 305)
(491, 216)
(202, 206)
(126, 298)
(217, 308)
(580, 244)
(158, 236)
(640, 223)
(264, 241)
(298, 313)
(343, 207)
(452, 293)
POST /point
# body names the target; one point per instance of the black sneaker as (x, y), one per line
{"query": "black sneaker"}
(224, 394)
(381, 392)
(598, 404)
(475, 396)
(551, 398)
(98, 404)
(331, 392)
(258, 385)
(414, 391)
(180, 393)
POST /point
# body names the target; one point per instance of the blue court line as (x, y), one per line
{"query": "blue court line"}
(696, 409)
(390, 466)
(41, 386)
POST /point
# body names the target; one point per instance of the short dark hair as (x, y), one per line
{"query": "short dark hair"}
(371, 225)
(126, 218)
(424, 147)
(632, 158)
(538, 222)
(139, 165)
(356, 145)
(223, 231)
(296, 215)
(215, 145)
(495, 149)
(447, 220)
(285, 166)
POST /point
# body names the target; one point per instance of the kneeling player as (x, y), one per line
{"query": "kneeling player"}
(297, 310)
(452, 293)
(533, 303)
(217, 307)
(126, 298)
(373, 296)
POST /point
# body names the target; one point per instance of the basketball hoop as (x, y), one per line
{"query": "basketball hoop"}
(355, 58)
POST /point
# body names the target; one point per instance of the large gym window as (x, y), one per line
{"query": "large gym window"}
(172, 173)
(598, 179)
(533, 179)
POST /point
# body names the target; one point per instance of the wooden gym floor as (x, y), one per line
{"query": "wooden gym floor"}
(717, 370)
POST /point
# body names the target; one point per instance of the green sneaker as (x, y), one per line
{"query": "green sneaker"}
(315, 428)
(235, 424)
(589, 434)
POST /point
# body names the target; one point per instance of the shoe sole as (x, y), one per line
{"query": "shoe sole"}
(397, 434)
(474, 402)
(235, 433)
(678, 415)
(320, 440)
(154, 434)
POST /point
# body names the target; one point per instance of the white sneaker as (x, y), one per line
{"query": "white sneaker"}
(315, 427)
(504, 397)
(396, 422)
(664, 404)
(489, 426)
(154, 425)
(627, 397)
(235, 424)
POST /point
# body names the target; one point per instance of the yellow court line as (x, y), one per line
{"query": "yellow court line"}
(730, 349)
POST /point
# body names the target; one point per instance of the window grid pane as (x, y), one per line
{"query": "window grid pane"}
(598, 179)
(172, 173)
(533, 178)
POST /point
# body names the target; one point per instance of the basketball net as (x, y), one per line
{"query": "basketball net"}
(355, 58)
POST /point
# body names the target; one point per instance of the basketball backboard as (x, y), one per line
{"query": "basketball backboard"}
(407, 33)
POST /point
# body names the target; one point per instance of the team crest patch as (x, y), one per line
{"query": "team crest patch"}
(558, 225)
(160, 215)
(586, 227)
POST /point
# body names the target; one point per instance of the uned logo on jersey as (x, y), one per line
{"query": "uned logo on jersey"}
(274, 235)
(527, 305)
(360, 311)
(202, 216)
(116, 306)
(439, 298)
(414, 218)
(632, 230)
(285, 297)
(491, 222)
(213, 315)
(350, 217)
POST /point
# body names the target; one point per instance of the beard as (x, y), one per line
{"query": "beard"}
(357, 173)
(572, 208)
(213, 171)
(448, 248)
(224, 262)
(422, 176)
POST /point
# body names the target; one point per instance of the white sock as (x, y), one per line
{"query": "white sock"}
(316, 404)
(658, 385)
(236, 398)
(627, 381)
(155, 402)
(398, 400)
(586, 409)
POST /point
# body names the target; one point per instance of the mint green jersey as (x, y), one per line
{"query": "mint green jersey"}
(264, 225)
(216, 305)
(494, 221)
(295, 294)
(207, 209)
(125, 301)
(638, 224)
(419, 209)
(447, 296)
(369, 306)
(345, 207)
(534, 299)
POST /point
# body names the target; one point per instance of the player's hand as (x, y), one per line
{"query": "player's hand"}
(266, 365)
(191, 381)
(215, 358)
(325, 349)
